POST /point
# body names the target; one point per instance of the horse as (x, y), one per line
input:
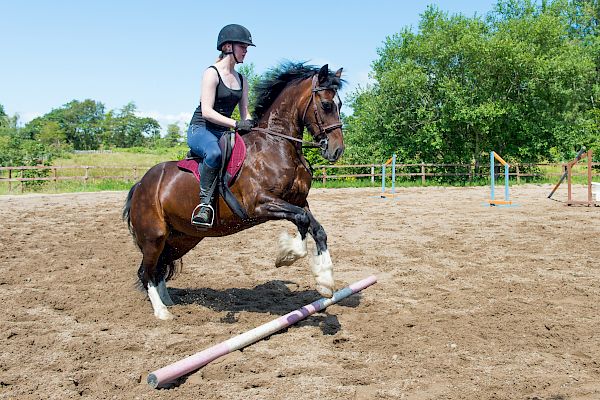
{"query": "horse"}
(272, 184)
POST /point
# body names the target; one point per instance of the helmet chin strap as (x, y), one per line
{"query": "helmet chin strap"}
(234, 57)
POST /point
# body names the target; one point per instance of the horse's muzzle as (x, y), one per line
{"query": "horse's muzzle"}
(333, 156)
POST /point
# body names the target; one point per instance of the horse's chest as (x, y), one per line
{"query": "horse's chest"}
(299, 189)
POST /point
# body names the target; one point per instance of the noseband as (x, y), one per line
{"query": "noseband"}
(323, 136)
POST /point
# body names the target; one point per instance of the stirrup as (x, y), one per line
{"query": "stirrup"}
(203, 224)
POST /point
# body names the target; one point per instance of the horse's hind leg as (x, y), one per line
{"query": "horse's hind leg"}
(163, 293)
(174, 249)
(165, 268)
(150, 273)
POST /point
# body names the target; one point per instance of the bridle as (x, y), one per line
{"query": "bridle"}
(323, 136)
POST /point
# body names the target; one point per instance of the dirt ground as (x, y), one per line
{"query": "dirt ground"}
(472, 302)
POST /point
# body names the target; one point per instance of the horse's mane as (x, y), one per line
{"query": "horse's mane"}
(278, 78)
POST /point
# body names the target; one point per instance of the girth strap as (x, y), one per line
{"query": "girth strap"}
(230, 199)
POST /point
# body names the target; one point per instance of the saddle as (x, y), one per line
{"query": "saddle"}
(233, 154)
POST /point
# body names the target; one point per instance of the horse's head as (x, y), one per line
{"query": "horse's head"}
(322, 113)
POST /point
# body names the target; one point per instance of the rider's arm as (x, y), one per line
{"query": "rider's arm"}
(210, 81)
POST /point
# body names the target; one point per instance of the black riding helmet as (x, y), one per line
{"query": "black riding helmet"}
(234, 33)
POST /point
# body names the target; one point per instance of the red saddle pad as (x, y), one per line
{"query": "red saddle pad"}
(238, 155)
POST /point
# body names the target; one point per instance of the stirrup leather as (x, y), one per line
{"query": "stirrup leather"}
(212, 214)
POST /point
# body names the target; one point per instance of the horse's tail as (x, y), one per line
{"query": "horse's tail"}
(127, 209)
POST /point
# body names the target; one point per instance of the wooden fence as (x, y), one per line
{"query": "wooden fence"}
(470, 171)
(422, 171)
(84, 173)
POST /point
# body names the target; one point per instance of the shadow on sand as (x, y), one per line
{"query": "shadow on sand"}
(272, 297)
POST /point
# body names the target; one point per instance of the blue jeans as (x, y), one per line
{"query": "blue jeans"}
(205, 143)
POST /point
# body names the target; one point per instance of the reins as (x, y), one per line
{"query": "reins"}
(273, 133)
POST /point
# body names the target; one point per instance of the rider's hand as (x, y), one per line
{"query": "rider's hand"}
(244, 126)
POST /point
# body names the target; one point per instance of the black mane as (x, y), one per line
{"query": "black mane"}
(277, 78)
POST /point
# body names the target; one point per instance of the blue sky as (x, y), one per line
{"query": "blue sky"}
(153, 52)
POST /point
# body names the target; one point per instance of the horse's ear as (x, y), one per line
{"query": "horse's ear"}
(338, 73)
(323, 74)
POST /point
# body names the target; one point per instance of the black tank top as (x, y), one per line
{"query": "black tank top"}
(225, 101)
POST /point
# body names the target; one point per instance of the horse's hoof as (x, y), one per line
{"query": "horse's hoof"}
(324, 291)
(165, 315)
(285, 260)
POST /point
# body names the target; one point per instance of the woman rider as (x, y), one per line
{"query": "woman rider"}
(222, 89)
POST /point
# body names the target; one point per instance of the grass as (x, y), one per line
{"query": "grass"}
(123, 157)
(118, 165)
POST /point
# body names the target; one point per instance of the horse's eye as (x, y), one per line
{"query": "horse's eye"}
(327, 106)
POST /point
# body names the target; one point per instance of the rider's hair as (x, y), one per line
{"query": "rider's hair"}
(222, 55)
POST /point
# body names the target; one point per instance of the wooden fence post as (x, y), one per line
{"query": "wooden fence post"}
(324, 176)
(134, 173)
(9, 180)
(518, 173)
(372, 175)
(86, 176)
(423, 173)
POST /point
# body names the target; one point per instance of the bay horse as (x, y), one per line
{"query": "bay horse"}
(272, 184)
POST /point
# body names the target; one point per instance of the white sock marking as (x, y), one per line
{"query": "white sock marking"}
(160, 310)
(322, 269)
(290, 249)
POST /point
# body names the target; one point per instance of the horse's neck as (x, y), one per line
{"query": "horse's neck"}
(282, 124)
(284, 116)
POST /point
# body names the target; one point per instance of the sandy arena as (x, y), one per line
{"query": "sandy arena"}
(472, 302)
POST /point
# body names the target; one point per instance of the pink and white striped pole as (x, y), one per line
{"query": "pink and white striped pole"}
(171, 372)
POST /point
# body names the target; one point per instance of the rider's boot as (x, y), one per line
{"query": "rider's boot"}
(204, 213)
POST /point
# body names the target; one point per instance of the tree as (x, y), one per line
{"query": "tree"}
(7, 122)
(422, 95)
(80, 122)
(122, 128)
(51, 134)
(3, 117)
(552, 74)
(174, 135)
(17, 148)
(247, 70)
(517, 82)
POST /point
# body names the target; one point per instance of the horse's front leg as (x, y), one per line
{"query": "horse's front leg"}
(293, 248)
(322, 266)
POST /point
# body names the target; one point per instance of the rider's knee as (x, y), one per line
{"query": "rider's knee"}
(213, 158)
